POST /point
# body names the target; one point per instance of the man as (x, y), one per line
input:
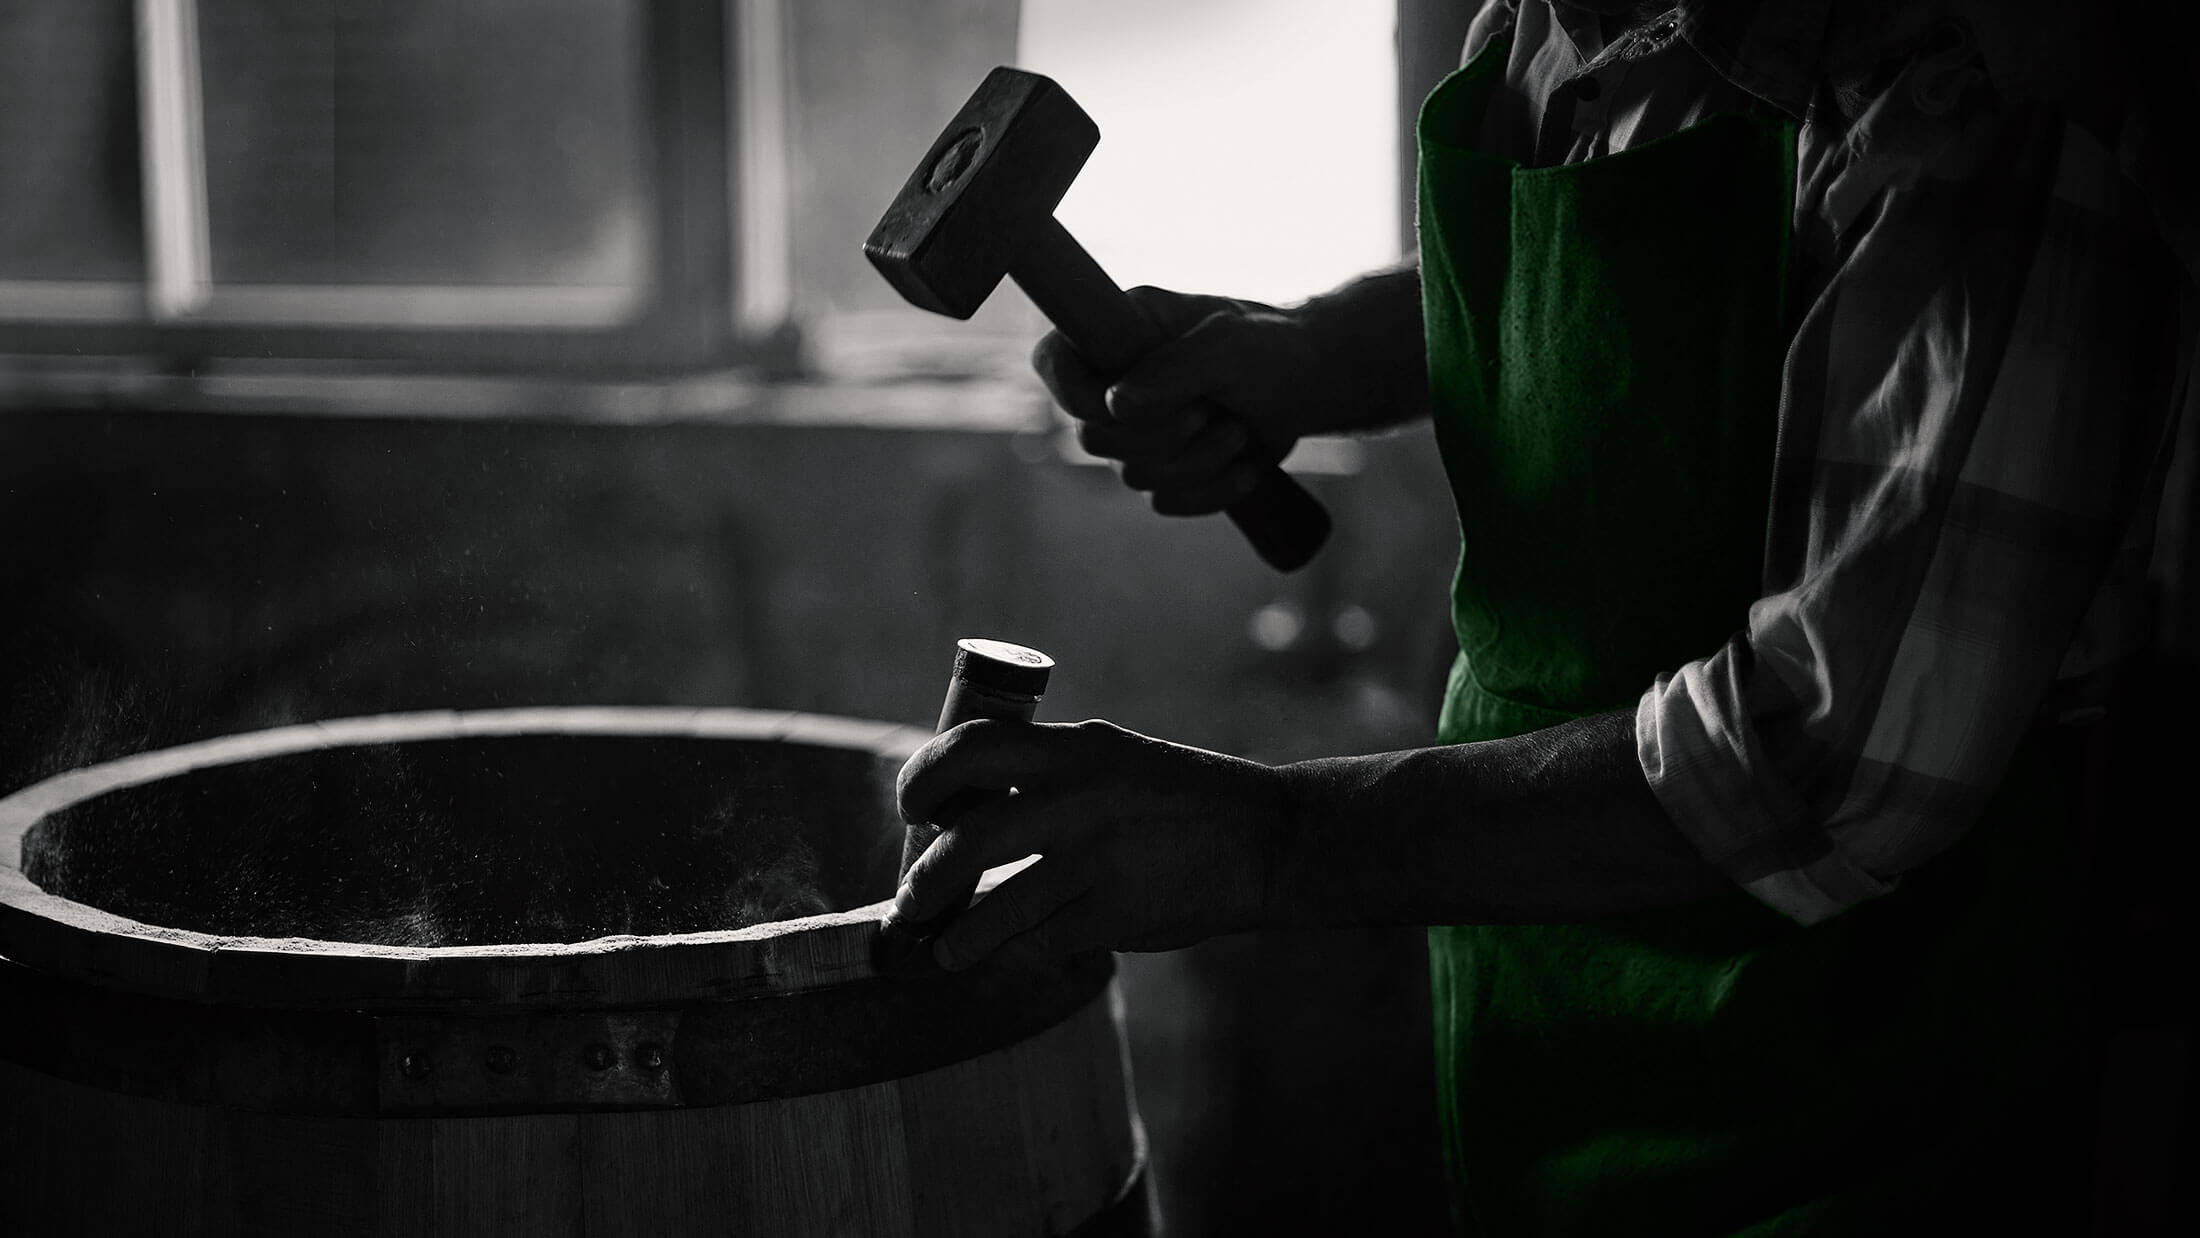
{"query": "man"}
(1803, 387)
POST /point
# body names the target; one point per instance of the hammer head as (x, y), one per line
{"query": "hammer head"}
(994, 174)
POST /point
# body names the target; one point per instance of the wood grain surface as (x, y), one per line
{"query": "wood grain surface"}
(1036, 1138)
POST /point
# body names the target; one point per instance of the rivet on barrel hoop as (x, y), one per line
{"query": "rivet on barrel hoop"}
(599, 1057)
(500, 1059)
(417, 1066)
(649, 1057)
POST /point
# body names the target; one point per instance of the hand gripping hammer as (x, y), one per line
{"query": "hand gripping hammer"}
(981, 205)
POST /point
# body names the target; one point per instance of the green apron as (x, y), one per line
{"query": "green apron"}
(1605, 343)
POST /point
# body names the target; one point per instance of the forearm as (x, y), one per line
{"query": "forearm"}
(1556, 825)
(1370, 330)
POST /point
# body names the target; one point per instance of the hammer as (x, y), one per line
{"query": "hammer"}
(981, 205)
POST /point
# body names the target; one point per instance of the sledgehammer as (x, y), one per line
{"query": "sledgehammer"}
(981, 205)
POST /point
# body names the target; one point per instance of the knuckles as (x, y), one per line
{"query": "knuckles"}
(1197, 502)
(1226, 328)
(1100, 438)
(913, 792)
(1068, 379)
(1042, 753)
(1097, 731)
(1011, 908)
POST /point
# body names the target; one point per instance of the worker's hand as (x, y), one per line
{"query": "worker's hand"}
(1145, 845)
(1197, 419)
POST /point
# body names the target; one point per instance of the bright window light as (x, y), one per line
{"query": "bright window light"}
(1247, 147)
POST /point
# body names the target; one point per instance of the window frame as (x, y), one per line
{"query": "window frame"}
(718, 295)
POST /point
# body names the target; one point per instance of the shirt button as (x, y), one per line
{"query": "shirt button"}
(1587, 88)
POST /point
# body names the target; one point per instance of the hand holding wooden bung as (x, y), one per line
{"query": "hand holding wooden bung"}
(992, 679)
(981, 205)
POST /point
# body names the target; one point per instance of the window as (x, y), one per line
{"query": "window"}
(537, 184)
(1248, 147)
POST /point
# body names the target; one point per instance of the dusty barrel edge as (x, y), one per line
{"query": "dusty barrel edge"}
(68, 938)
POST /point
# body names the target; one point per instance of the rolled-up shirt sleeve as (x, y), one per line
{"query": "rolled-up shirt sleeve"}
(1976, 403)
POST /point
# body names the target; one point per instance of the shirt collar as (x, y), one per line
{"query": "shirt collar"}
(1774, 49)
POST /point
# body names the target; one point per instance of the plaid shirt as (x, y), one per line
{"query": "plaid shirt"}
(1988, 344)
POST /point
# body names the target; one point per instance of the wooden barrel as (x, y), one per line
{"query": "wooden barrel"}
(175, 1077)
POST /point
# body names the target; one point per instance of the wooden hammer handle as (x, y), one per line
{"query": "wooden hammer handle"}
(1285, 524)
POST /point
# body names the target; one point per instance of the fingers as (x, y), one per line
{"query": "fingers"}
(1209, 346)
(1193, 462)
(1164, 419)
(1086, 922)
(1156, 427)
(1200, 493)
(1176, 312)
(1076, 386)
(1084, 393)
(1190, 465)
(987, 836)
(1128, 831)
(993, 755)
(1149, 440)
(992, 834)
(1080, 390)
(1018, 907)
(1210, 357)
(981, 754)
(989, 757)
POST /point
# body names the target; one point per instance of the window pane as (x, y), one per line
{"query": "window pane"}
(69, 142)
(1248, 147)
(427, 142)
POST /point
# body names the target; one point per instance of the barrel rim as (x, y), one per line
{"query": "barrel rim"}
(65, 937)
